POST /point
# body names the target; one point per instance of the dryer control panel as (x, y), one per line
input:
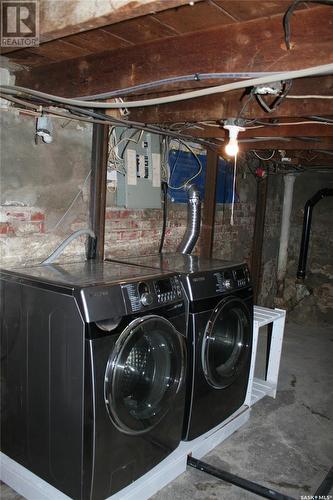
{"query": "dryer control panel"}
(143, 295)
(212, 283)
(231, 279)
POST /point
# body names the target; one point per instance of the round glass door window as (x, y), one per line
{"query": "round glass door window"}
(226, 342)
(144, 374)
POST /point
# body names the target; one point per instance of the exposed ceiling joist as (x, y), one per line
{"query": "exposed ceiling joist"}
(256, 45)
(220, 107)
(302, 130)
(67, 17)
(318, 143)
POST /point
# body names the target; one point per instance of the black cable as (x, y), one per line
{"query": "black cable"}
(319, 119)
(141, 126)
(326, 486)
(289, 12)
(247, 102)
(75, 110)
(279, 99)
(164, 187)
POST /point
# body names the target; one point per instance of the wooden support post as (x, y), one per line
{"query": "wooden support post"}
(258, 236)
(208, 217)
(99, 158)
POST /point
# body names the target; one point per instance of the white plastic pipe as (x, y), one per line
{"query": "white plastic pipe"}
(289, 180)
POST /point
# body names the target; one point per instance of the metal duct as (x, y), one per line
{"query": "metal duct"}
(193, 220)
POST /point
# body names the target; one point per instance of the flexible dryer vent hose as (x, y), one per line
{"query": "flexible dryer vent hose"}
(193, 221)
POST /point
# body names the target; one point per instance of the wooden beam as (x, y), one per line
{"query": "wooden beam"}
(325, 143)
(67, 17)
(258, 236)
(209, 207)
(229, 105)
(303, 130)
(216, 108)
(222, 106)
(242, 47)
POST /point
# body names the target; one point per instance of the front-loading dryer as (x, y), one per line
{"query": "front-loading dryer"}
(93, 373)
(220, 330)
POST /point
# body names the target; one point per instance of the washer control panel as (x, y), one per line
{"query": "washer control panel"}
(168, 289)
(141, 296)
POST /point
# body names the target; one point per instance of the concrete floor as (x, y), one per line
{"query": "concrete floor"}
(287, 444)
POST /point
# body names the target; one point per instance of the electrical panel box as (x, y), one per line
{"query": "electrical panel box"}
(139, 175)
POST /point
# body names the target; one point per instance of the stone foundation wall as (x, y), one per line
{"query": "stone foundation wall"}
(311, 300)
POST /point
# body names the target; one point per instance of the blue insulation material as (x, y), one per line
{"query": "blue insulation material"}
(183, 165)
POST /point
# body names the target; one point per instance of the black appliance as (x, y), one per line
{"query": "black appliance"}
(220, 331)
(93, 372)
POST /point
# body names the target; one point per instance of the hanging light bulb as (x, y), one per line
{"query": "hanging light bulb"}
(232, 147)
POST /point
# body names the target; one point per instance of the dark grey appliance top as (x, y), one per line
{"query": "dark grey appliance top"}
(85, 273)
(177, 262)
(202, 278)
(104, 289)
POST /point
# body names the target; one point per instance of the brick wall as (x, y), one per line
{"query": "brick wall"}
(24, 237)
(234, 242)
(138, 232)
(38, 183)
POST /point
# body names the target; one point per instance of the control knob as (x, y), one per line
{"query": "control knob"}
(146, 299)
(227, 283)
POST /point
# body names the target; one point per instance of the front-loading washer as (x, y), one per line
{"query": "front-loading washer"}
(220, 330)
(93, 372)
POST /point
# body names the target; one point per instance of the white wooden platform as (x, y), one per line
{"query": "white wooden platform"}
(32, 487)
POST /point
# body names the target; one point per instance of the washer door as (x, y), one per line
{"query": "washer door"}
(144, 373)
(227, 341)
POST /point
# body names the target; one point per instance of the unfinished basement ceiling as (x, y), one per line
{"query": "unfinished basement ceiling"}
(159, 26)
(174, 39)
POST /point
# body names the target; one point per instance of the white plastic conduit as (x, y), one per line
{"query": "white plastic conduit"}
(289, 180)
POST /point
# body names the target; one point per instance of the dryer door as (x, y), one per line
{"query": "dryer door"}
(144, 373)
(227, 342)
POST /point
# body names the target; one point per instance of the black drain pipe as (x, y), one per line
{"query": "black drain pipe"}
(308, 208)
(245, 484)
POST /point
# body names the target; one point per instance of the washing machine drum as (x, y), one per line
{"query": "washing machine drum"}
(227, 342)
(144, 373)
